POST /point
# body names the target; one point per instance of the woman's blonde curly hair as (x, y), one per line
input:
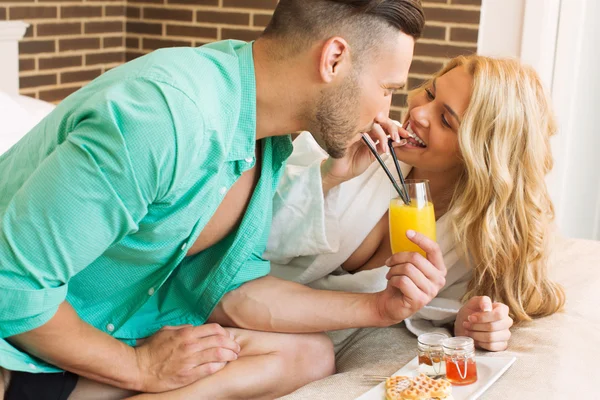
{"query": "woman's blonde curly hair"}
(501, 211)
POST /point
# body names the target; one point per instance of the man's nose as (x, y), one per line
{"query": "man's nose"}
(387, 106)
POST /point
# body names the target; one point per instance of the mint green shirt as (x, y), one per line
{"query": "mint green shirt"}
(101, 201)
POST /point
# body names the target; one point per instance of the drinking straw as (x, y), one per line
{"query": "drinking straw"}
(385, 168)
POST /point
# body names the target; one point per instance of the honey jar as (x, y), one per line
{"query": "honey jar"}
(431, 354)
(459, 356)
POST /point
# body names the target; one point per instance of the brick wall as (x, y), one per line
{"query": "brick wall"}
(68, 43)
(158, 23)
(73, 41)
(451, 30)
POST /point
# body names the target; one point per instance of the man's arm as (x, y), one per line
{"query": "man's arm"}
(88, 194)
(69, 343)
(274, 305)
(170, 359)
(270, 304)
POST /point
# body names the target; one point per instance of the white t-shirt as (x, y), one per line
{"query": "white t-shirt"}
(311, 236)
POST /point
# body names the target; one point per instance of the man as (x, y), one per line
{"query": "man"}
(134, 217)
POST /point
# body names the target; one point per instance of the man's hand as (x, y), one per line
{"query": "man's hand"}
(178, 356)
(413, 280)
(488, 324)
(358, 156)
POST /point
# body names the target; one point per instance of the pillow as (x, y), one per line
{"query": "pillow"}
(18, 114)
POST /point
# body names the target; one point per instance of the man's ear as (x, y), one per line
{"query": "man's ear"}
(335, 59)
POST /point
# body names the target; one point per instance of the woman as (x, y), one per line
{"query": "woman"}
(479, 131)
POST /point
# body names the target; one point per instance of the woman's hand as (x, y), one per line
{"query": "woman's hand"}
(488, 324)
(413, 280)
(358, 156)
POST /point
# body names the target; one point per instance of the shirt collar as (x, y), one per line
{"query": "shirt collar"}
(243, 147)
(282, 149)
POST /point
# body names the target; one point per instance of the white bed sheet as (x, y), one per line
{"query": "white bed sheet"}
(18, 114)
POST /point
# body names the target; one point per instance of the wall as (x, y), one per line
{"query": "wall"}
(152, 24)
(11, 32)
(68, 43)
(452, 29)
(73, 41)
(501, 28)
(575, 183)
(558, 38)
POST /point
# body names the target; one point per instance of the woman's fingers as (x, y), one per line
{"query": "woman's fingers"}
(416, 276)
(409, 291)
(500, 325)
(378, 134)
(390, 126)
(495, 346)
(499, 312)
(434, 274)
(490, 337)
(430, 247)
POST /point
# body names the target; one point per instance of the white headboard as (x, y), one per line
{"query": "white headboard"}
(10, 34)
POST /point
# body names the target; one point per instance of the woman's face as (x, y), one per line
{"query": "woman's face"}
(434, 116)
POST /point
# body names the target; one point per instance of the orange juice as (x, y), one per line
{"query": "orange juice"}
(418, 217)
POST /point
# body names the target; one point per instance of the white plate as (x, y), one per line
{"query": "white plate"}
(489, 369)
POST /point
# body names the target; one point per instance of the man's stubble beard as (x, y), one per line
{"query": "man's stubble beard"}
(337, 115)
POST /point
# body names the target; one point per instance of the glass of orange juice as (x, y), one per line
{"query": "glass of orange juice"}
(418, 216)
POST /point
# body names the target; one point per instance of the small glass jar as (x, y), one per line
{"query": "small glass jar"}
(431, 354)
(459, 354)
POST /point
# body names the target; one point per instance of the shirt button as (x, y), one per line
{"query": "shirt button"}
(151, 291)
(32, 366)
(249, 159)
(223, 190)
(110, 327)
(183, 246)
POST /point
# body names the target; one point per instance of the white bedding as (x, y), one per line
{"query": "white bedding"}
(18, 114)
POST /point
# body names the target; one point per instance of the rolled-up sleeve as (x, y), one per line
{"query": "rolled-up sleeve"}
(89, 193)
(305, 222)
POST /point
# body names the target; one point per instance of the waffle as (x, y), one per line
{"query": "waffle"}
(395, 385)
(421, 387)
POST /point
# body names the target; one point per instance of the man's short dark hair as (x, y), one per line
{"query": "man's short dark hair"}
(362, 22)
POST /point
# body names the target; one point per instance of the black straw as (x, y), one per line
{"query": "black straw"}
(397, 164)
(385, 168)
